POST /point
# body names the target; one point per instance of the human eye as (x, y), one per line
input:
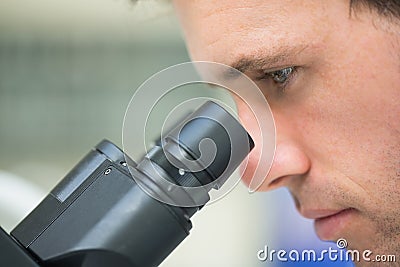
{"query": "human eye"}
(280, 78)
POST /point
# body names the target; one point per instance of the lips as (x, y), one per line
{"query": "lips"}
(330, 223)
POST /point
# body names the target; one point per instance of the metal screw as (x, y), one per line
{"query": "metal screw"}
(107, 172)
(123, 163)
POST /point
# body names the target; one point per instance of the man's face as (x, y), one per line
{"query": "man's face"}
(336, 105)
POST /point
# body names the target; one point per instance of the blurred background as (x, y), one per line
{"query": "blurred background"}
(67, 72)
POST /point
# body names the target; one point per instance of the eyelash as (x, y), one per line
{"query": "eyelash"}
(273, 76)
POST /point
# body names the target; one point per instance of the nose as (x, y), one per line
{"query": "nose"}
(290, 162)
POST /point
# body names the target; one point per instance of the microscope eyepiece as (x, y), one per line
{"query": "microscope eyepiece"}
(202, 151)
(214, 138)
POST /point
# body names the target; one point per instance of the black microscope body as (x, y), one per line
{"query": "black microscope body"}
(99, 216)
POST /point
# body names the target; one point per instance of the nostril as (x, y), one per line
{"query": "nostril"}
(282, 181)
(276, 183)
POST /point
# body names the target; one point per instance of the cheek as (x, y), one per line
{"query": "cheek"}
(350, 128)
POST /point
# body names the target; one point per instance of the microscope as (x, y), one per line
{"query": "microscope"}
(111, 211)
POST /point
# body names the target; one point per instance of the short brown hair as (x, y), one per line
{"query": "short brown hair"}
(386, 8)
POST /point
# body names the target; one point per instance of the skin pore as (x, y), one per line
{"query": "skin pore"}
(332, 79)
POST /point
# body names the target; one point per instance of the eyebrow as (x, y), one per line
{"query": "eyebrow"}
(262, 61)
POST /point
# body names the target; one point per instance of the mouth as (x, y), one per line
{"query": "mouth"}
(329, 224)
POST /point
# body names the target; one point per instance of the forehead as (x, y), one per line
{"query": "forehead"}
(218, 30)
